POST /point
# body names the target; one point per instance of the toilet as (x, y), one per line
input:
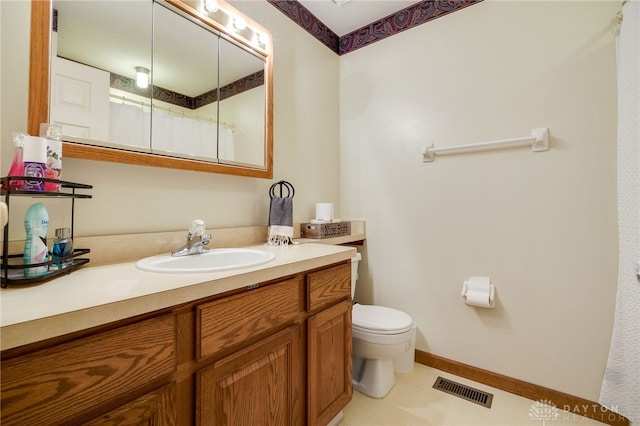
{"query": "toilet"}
(384, 342)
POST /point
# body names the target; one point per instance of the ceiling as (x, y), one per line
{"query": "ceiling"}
(353, 14)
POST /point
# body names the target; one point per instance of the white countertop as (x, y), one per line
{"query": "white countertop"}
(94, 296)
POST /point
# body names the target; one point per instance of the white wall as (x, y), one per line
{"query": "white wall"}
(130, 199)
(541, 225)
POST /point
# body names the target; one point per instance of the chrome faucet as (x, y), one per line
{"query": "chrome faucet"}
(196, 240)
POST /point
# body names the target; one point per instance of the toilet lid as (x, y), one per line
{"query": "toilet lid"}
(380, 318)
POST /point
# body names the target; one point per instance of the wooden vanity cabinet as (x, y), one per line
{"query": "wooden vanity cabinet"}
(277, 353)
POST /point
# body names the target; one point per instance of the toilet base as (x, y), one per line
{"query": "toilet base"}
(373, 377)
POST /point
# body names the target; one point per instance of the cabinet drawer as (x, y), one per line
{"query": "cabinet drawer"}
(55, 384)
(328, 285)
(231, 320)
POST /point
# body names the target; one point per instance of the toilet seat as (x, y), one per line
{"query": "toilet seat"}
(380, 320)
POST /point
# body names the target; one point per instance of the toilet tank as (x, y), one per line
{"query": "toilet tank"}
(354, 273)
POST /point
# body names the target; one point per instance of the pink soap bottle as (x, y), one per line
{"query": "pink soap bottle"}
(17, 165)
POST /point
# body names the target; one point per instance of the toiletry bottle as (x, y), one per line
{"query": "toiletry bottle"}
(53, 170)
(62, 246)
(35, 160)
(17, 166)
(36, 223)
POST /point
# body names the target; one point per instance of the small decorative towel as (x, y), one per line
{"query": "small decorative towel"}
(280, 221)
(281, 216)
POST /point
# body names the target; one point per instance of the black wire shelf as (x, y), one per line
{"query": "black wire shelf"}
(12, 269)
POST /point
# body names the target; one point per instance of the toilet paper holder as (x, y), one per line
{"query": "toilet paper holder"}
(479, 291)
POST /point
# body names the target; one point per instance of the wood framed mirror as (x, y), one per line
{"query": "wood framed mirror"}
(239, 98)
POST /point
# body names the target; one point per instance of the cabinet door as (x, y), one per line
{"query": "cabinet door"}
(329, 379)
(259, 385)
(155, 408)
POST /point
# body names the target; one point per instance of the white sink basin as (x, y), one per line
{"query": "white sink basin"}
(213, 261)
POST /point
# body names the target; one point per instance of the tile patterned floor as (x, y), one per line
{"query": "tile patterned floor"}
(414, 402)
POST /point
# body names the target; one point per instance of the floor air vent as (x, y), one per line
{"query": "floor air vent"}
(464, 392)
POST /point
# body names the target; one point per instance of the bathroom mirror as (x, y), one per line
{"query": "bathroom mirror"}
(208, 103)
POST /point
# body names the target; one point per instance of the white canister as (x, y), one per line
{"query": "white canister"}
(34, 156)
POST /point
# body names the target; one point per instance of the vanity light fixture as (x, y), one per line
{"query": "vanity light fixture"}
(142, 77)
(263, 38)
(259, 39)
(239, 23)
(211, 5)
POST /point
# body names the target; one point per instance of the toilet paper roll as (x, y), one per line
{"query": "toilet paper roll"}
(324, 211)
(478, 291)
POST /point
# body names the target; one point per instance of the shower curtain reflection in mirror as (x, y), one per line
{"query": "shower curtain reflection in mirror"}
(174, 133)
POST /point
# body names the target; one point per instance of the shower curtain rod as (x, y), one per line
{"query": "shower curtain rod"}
(539, 141)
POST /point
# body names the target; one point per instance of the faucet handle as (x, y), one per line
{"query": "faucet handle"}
(205, 238)
(196, 228)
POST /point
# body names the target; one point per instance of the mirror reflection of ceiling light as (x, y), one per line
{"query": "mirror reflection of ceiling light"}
(211, 5)
(142, 77)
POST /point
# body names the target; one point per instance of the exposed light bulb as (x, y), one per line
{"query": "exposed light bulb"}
(211, 5)
(142, 77)
(263, 38)
(239, 23)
